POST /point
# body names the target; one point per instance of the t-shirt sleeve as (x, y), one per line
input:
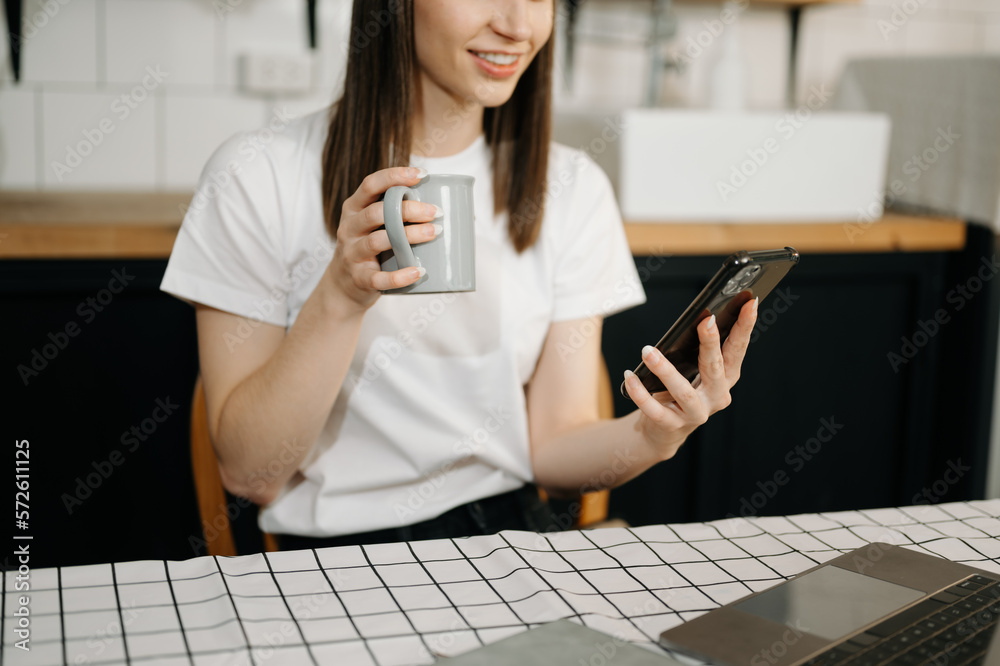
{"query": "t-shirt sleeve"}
(595, 271)
(229, 251)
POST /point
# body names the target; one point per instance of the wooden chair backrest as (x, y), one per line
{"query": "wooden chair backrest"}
(594, 506)
(212, 500)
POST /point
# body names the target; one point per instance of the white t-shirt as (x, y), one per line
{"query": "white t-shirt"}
(432, 413)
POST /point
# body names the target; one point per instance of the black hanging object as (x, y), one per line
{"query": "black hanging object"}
(795, 23)
(572, 13)
(12, 9)
(569, 49)
(311, 10)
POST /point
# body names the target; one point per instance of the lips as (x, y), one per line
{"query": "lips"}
(502, 59)
(497, 64)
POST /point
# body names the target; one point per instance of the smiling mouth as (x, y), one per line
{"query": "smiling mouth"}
(499, 59)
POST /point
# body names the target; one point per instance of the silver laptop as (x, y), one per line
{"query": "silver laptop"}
(561, 642)
(880, 604)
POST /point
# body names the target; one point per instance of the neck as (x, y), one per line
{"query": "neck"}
(442, 124)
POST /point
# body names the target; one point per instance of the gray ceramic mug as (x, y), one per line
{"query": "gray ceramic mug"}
(450, 259)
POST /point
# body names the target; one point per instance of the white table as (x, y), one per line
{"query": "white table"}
(403, 603)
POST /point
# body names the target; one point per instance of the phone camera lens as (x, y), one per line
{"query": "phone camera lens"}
(742, 280)
(749, 275)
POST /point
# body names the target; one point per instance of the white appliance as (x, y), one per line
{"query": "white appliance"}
(788, 166)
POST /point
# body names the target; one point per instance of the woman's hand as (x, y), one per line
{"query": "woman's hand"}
(361, 236)
(668, 418)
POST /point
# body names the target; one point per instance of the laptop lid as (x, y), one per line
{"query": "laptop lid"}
(561, 642)
(805, 616)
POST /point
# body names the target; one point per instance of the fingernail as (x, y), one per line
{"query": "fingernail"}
(756, 302)
(438, 211)
(711, 323)
(648, 353)
(438, 228)
(418, 172)
(629, 375)
(420, 271)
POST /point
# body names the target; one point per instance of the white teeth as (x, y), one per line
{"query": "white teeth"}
(497, 58)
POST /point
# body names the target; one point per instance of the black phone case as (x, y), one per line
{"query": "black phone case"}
(723, 296)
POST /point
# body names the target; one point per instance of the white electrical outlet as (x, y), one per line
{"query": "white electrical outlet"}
(276, 72)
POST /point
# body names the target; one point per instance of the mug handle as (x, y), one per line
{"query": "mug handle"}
(392, 205)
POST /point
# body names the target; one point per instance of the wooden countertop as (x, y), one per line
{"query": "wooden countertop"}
(891, 233)
(90, 225)
(95, 225)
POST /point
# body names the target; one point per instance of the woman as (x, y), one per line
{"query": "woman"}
(356, 417)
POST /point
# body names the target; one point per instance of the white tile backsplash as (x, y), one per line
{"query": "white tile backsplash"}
(619, 19)
(6, 68)
(762, 39)
(597, 75)
(177, 35)
(913, 5)
(698, 47)
(810, 67)
(925, 36)
(196, 126)
(296, 107)
(991, 36)
(17, 140)
(89, 51)
(59, 41)
(833, 35)
(333, 19)
(611, 60)
(101, 140)
(765, 37)
(975, 6)
(256, 26)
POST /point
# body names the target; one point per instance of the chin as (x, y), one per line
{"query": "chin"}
(495, 103)
(497, 98)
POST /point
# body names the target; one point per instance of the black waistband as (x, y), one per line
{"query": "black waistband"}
(520, 509)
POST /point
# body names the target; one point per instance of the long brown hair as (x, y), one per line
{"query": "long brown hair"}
(370, 124)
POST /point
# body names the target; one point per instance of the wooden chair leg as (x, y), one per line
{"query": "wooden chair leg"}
(208, 483)
(594, 506)
(212, 498)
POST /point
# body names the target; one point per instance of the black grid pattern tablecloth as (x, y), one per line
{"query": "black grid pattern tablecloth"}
(406, 603)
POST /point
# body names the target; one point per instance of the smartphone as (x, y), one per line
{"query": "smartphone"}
(743, 277)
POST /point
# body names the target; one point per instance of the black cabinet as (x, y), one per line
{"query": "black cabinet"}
(99, 369)
(869, 383)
